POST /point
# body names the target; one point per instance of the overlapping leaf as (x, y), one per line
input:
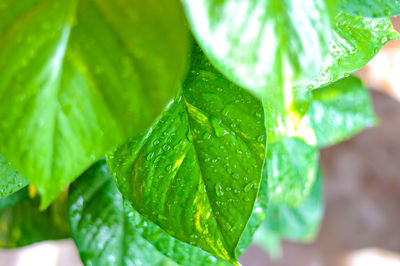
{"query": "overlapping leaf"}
(10, 180)
(339, 110)
(197, 171)
(301, 123)
(108, 231)
(263, 44)
(23, 224)
(79, 77)
(355, 41)
(292, 223)
(371, 8)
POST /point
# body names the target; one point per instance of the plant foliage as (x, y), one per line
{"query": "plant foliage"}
(206, 139)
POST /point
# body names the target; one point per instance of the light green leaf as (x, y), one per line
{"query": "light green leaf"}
(108, 231)
(299, 223)
(263, 45)
(339, 111)
(10, 180)
(371, 8)
(197, 171)
(21, 222)
(356, 40)
(79, 77)
(302, 121)
(291, 170)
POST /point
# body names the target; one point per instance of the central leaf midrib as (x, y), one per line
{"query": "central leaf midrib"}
(184, 103)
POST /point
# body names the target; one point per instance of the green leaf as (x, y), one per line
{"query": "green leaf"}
(197, 171)
(291, 170)
(79, 77)
(355, 41)
(108, 231)
(299, 223)
(257, 217)
(263, 44)
(371, 8)
(299, 122)
(10, 180)
(340, 110)
(21, 222)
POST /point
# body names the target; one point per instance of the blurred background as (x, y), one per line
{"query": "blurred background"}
(361, 193)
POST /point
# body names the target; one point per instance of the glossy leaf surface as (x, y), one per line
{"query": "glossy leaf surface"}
(108, 231)
(197, 171)
(23, 224)
(297, 224)
(10, 180)
(371, 8)
(79, 77)
(263, 44)
(355, 41)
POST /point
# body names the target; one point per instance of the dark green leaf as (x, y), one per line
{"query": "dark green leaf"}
(10, 180)
(371, 8)
(79, 77)
(263, 44)
(297, 224)
(21, 222)
(356, 41)
(108, 231)
(197, 171)
(340, 110)
(257, 217)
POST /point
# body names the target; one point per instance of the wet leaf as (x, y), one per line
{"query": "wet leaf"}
(21, 222)
(196, 172)
(10, 180)
(263, 45)
(371, 8)
(79, 77)
(356, 40)
(108, 231)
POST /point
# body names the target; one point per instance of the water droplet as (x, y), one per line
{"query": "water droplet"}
(150, 156)
(218, 190)
(219, 130)
(166, 147)
(206, 135)
(248, 187)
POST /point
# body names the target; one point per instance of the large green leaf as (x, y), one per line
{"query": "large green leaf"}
(371, 8)
(79, 77)
(108, 231)
(10, 180)
(355, 41)
(299, 223)
(339, 110)
(261, 44)
(197, 171)
(21, 222)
